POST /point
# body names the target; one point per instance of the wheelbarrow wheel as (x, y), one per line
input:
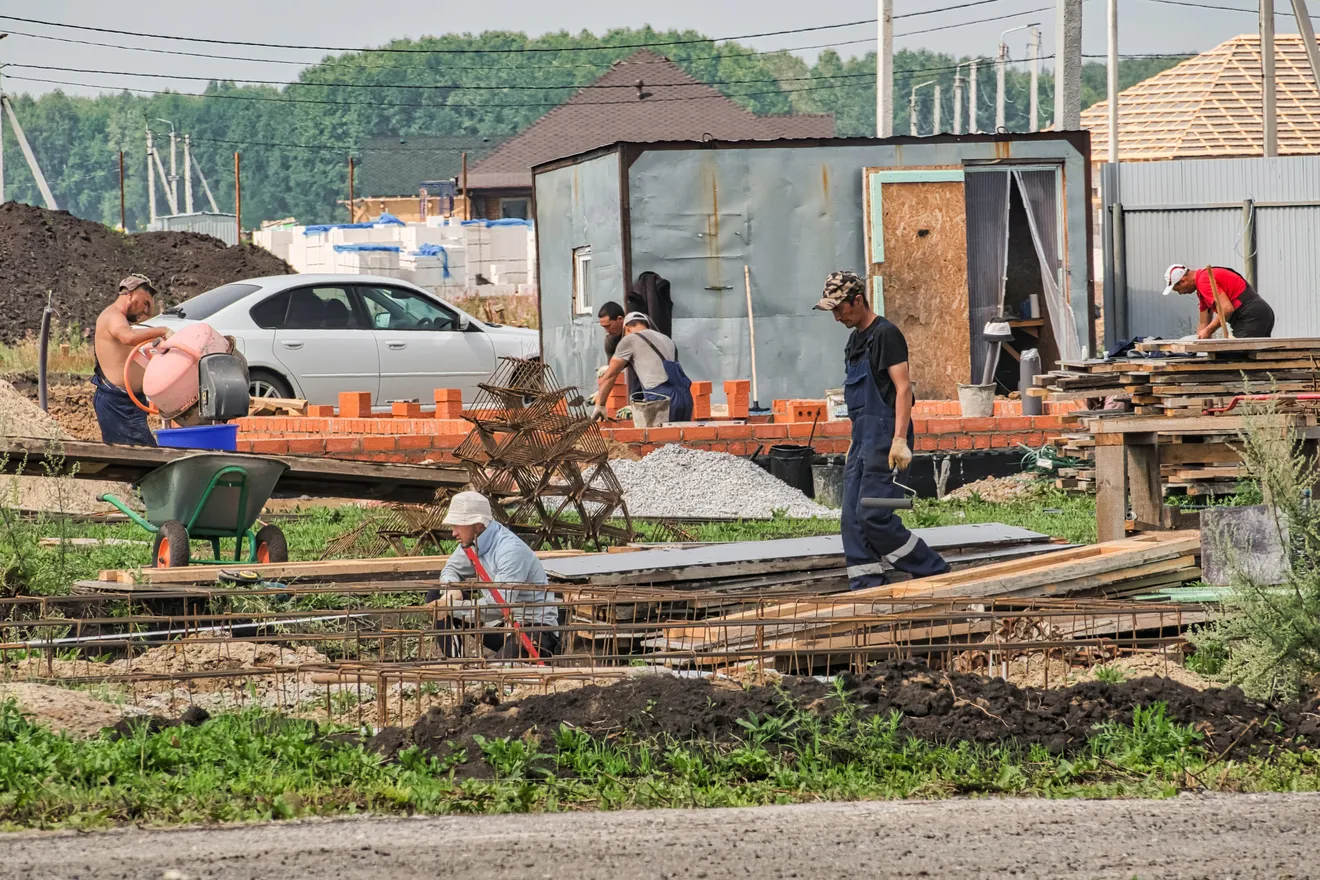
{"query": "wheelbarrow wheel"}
(272, 545)
(171, 548)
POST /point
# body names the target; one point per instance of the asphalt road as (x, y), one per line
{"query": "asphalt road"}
(1240, 836)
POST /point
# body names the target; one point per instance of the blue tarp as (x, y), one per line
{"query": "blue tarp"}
(348, 248)
(512, 221)
(385, 219)
(436, 250)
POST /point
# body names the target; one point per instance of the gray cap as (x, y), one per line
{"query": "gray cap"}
(634, 317)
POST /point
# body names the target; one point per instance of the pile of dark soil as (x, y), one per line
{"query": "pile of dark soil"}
(935, 707)
(81, 263)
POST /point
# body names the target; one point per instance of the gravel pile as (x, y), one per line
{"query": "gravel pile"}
(675, 481)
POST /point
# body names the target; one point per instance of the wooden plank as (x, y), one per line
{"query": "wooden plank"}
(291, 405)
(1143, 474)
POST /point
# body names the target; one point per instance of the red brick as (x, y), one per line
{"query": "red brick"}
(416, 441)
(981, 441)
(735, 432)
(926, 444)
(980, 426)
(839, 428)
(645, 449)
(738, 386)
(919, 424)
(405, 409)
(1035, 439)
(355, 404)
(270, 447)
(704, 432)
(379, 443)
(448, 395)
(964, 441)
(999, 441)
(626, 435)
(321, 412)
(340, 445)
(802, 430)
(1047, 423)
(947, 443)
(770, 432)
(837, 446)
(943, 426)
(1018, 423)
(450, 427)
(700, 389)
(307, 446)
(664, 435)
(740, 447)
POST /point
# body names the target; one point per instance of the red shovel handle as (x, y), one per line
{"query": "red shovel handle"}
(499, 600)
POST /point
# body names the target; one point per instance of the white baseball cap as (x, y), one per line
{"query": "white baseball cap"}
(634, 317)
(1172, 276)
(468, 509)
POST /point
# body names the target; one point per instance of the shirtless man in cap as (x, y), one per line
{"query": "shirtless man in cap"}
(120, 419)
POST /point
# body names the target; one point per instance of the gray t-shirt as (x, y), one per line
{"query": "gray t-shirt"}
(649, 366)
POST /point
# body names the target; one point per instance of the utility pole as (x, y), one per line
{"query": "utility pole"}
(1269, 104)
(169, 193)
(151, 181)
(912, 106)
(172, 182)
(123, 223)
(2, 133)
(467, 197)
(206, 187)
(1307, 30)
(1001, 66)
(187, 174)
(1035, 79)
(884, 74)
(972, 127)
(238, 202)
(352, 206)
(957, 99)
(1068, 66)
(937, 109)
(1112, 9)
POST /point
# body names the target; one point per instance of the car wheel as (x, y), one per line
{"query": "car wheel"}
(262, 383)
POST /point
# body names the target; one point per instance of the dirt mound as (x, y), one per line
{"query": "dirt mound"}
(74, 712)
(935, 707)
(81, 262)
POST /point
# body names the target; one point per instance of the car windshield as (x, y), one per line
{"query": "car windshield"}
(204, 305)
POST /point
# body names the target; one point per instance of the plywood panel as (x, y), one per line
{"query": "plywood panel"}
(924, 230)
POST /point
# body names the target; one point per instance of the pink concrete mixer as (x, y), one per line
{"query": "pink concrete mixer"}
(194, 376)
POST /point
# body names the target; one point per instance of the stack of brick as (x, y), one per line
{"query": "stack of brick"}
(411, 433)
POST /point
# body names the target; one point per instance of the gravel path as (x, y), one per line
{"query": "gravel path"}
(680, 482)
(1240, 836)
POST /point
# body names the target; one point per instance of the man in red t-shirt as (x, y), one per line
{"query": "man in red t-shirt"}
(1247, 314)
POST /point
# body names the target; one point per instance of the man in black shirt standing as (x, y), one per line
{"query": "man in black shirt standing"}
(878, 392)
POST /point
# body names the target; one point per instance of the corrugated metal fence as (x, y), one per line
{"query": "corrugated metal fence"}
(1258, 216)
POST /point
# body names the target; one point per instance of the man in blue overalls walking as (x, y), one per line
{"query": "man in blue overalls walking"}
(878, 391)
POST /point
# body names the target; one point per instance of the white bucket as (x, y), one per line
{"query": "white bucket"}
(649, 413)
(977, 401)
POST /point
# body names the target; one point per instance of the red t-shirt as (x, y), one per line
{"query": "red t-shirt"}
(1231, 285)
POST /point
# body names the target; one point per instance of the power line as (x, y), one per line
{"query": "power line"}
(444, 86)
(402, 51)
(1277, 13)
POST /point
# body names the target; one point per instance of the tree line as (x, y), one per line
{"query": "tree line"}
(295, 139)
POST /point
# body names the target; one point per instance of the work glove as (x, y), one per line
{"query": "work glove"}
(447, 600)
(600, 371)
(899, 454)
(598, 413)
(592, 399)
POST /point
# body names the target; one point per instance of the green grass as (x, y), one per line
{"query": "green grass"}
(251, 767)
(1070, 517)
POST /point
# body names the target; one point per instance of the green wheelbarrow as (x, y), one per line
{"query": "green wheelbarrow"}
(209, 496)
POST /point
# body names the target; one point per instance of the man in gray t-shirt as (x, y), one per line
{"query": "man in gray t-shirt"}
(646, 351)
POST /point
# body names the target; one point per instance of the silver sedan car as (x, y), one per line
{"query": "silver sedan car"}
(313, 336)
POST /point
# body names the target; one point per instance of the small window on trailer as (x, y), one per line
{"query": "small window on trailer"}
(582, 280)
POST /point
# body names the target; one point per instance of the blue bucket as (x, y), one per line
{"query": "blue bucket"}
(220, 437)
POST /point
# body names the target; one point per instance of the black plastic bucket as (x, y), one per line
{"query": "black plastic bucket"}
(792, 464)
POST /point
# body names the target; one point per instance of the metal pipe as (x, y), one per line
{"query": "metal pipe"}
(43, 353)
(957, 99)
(1001, 62)
(123, 223)
(1112, 8)
(751, 333)
(937, 109)
(1119, 246)
(1249, 241)
(187, 174)
(972, 127)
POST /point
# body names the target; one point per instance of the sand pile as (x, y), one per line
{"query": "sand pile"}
(81, 262)
(20, 417)
(77, 713)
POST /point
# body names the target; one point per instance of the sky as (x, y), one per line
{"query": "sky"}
(1145, 26)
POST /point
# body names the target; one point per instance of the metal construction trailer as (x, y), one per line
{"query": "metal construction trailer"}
(949, 229)
(1260, 217)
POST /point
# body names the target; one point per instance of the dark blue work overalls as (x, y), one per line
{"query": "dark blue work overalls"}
(872, 537)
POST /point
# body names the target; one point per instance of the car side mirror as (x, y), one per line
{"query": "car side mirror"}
(463, 323)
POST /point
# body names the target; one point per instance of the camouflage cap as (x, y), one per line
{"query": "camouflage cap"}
(134, 282)
(839, 287)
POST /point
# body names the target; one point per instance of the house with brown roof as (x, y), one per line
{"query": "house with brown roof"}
(644, 98)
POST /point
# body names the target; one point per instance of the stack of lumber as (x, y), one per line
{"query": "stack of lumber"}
(1178, 379)
(925, 611)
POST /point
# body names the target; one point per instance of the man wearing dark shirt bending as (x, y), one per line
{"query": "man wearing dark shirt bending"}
(878, 392)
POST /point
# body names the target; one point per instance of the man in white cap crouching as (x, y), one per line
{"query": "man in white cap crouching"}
(515, 621)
